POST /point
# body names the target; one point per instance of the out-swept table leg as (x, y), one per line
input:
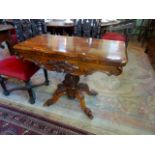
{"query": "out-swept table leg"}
(86, 110)
(57, 94)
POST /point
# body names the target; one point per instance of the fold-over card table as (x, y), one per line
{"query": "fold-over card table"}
(74, 56)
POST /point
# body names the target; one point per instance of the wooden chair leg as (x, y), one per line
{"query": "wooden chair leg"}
(5, 91)
(30, 92)
(46, 77)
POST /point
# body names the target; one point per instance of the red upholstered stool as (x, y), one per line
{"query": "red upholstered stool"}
(114, 36)
(17, 68)
(22, 70)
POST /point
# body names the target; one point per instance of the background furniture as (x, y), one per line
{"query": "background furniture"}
(41, 25)
(25, 28)
(5, 36)
(78, 27)
(120, 32)
(60, 27)
(96, 28)
(147, 30)
(74, 56)
(34, 26)
(87, 27)
(106, 23)
(90, 28)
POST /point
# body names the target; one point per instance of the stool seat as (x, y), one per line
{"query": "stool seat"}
(17, 68)
(114, 36)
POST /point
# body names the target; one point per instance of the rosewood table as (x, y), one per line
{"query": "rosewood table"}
(74, 56)
(5, 35)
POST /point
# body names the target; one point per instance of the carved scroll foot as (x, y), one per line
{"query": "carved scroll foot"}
(48, 103)
(86, 110)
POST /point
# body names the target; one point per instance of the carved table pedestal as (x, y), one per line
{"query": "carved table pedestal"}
(73, 89)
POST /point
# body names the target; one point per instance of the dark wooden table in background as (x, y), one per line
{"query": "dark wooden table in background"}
(60, 27)
(105, 25)
(74, 56)
(6, 36)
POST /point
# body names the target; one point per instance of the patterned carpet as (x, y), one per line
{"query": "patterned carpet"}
(125, 104)
(17, 122)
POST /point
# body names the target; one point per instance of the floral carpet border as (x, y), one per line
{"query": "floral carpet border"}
(29, 123)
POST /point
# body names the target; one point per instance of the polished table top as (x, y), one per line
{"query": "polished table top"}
(104, 50)
(75, 50)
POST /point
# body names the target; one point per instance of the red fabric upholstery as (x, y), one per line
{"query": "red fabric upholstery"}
(114, 36)
(17, 68)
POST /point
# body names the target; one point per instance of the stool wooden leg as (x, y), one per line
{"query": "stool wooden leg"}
(46, 77)
(5, 91)
(30, 92)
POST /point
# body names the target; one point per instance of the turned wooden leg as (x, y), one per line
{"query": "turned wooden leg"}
(84, 87)
(86, 110)
(57, 94)
(30, 92)
(46, 76)
(2, 82)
